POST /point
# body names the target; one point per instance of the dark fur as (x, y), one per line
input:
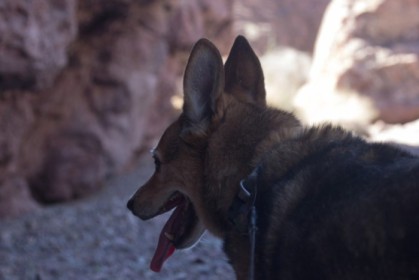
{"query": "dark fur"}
(330, 205)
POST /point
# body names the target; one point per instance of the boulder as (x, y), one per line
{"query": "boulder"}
(366, 63)
(15, 119)
(15, 197)
(286, 23)
(35, 36)
(285, 71)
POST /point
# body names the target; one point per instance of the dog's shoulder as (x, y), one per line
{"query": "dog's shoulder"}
(328, 146)
(326, 179)
(327, 161)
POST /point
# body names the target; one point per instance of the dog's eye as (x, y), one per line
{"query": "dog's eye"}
(157, 163)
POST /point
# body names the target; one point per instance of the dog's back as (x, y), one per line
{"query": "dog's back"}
(339, 208)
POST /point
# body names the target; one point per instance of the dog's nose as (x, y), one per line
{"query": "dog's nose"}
(130, 204)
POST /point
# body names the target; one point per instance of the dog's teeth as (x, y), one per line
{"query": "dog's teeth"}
(169, 236)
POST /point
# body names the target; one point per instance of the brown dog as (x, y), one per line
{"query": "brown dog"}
(328, 204)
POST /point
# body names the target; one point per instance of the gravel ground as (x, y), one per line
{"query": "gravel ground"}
(97, 238)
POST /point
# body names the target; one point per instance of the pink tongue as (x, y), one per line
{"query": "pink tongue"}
(164, 250)
(165, 247)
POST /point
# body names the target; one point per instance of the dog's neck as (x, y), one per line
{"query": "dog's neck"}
(233, 152)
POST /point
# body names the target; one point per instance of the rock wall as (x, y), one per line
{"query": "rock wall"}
(85, 85)
(35, 36)
(366, 63)
(286, 23)
(80, 82)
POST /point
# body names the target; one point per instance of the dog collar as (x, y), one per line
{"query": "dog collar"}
(240, 209)
(242, 214)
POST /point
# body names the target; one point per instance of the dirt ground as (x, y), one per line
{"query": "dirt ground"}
(98, 238)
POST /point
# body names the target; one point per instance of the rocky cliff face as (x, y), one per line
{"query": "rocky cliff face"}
(368, 51)
(85, 85)
(80, 84)
(286, 23)
(35, 36)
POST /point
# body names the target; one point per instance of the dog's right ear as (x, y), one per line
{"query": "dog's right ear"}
(203, 85)
(243, 73)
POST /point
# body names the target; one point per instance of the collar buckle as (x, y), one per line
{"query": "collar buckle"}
(243, 202)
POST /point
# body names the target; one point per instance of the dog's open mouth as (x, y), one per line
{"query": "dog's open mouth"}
(179, 230)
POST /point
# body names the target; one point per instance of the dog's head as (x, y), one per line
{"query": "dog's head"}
(181, 156)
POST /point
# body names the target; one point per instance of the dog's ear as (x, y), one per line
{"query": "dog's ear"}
(243, 73)
(203, 85)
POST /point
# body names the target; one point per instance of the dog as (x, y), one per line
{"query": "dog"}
(319, 202)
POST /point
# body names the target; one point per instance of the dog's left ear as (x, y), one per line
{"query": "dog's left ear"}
(243, 73)
(203, 85)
